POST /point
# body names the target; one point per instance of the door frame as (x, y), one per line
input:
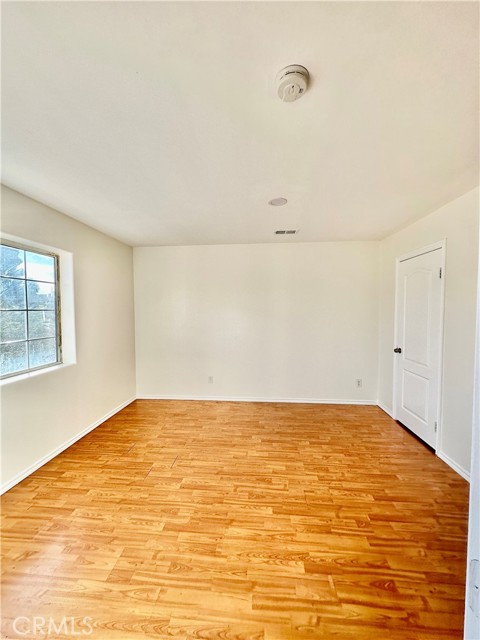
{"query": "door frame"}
(442, 245)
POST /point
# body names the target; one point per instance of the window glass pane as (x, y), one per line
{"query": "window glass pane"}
(28, 310)
(42, 352)
(12, 262)
(12, 294)
(40, 267)
(13, 357)
(40, 295)
(41, 324)
(13, 325)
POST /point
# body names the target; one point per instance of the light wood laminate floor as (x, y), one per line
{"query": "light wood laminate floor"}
(240, 521)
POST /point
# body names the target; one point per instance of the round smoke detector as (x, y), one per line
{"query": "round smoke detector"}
(292, 82)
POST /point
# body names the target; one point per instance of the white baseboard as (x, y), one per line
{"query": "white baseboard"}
(456, 467)
(384, 408)
(68, 443)
(254, 399)
(443, 456)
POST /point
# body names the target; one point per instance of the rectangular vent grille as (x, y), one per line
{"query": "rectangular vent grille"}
(286, 232)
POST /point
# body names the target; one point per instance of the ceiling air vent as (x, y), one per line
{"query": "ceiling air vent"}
(286, 232)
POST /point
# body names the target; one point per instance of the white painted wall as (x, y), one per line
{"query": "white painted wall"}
(286, 321)
(472, 615)
(457, 221)
(41, 413)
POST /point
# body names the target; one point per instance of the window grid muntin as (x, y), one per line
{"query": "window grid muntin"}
(56, 283)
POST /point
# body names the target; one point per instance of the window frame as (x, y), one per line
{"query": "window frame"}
(58, 327)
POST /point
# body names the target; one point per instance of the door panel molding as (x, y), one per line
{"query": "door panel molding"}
(415, 379)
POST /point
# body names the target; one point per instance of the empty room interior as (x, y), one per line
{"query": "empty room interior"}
(239, 317)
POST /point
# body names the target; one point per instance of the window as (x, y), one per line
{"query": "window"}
(29, 310)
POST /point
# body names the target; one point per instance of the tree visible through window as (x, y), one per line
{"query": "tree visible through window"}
(29, 310)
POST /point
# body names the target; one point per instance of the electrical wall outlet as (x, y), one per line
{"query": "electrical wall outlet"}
(210, 379)
(474, 587)
(358, 383)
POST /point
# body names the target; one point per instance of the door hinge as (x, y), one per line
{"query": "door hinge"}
(440, 273)
(435, 427)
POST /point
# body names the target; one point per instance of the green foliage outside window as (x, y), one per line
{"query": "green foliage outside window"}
(29, 306)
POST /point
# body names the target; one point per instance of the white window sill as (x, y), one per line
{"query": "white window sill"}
(34, 374)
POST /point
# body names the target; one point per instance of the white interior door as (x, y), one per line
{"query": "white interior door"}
(418, 351)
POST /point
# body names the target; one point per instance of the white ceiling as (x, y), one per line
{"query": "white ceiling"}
(158, 122)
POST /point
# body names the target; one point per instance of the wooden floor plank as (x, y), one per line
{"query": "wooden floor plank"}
(247, 521)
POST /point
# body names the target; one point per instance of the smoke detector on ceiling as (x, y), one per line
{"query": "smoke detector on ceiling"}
(278, 202)
(292, 82)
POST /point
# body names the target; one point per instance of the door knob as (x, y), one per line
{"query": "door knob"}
(397, 350)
